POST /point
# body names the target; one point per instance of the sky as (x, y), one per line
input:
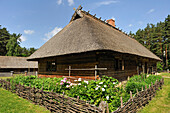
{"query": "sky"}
(39, 20)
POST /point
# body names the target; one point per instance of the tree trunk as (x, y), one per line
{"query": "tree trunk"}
(166, 56)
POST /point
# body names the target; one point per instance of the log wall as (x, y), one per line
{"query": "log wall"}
(132, 65)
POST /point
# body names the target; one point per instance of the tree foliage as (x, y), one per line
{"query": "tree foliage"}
(156, 38)
(10, 45)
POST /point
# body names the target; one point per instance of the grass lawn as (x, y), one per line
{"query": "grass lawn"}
(165, 74)
(4, 77)
(11, 103)
(161, 102)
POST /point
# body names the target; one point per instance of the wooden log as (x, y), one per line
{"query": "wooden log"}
(121, 101)
(131, 95)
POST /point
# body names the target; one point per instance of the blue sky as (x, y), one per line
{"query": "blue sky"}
(39, 20)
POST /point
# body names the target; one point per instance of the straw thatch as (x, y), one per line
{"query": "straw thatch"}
(16, 62)
(86, 33)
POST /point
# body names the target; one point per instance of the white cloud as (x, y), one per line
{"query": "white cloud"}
(150, 11)
(113, 18)
(70, 2)
(23, 38)
(52, 33)
(29, 32)
(59, 2)
(106, 2)
(130, 25)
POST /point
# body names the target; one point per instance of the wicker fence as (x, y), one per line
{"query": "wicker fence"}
(52, 101)
(61, 103)
(140, 99)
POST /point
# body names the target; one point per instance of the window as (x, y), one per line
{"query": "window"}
(116, 64)
(119, 64)
(51, 66)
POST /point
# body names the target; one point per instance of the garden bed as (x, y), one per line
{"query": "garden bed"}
(92, 92)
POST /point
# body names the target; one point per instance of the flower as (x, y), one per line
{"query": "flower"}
(101, 83)
(147, 76)
(56, 83)
(107, 97)
(79, 84)
(65, 78)
(79, 79)
(105, 86)
(87, 82)
(68, 82)
(85, 86)
(103, 89)
(71, 84)
(61, 83)
(114, 82)
(67, 86)
(75, 80)
(96, 88)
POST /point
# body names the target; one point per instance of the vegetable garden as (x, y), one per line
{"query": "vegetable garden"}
(105, 89)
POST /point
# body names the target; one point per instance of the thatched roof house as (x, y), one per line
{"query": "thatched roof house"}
(87, 39)
(16, 64)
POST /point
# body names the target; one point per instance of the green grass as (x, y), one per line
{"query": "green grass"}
(11, 103)
(4, 77)
(165, 74)
(161, 102)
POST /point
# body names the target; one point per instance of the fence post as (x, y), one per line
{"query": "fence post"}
(145, 87)
(121, 101)
(103, 106)
(12, 72)
(130, 95)
(36, 73)
(107, 107)
(95, 72)
(78, 98)
(25, 73)
(142, 88)
(137, 91)
(69, 71)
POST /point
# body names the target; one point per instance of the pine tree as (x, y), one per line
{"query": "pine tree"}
(4, 37)
(13, 45)
(167, 40)
(157, 39)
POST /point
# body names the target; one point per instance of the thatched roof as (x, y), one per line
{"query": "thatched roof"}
(87, 33)
(16, 62)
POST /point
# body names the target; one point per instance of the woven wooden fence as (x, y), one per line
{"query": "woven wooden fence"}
(60, 103)
(52, 101)
(140, 99)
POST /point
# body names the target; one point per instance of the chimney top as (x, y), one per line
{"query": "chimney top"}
(111, 22)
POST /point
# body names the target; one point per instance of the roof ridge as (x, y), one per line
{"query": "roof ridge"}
(104, 21)
(79, 9)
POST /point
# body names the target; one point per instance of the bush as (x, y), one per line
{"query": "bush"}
(139, 81)
(132, 86)
(160, 66)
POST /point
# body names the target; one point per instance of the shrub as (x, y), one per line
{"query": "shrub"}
(132, 86)
(139, 81)
(160, 66)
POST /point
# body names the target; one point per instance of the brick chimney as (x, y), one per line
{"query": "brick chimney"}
(111, 22)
